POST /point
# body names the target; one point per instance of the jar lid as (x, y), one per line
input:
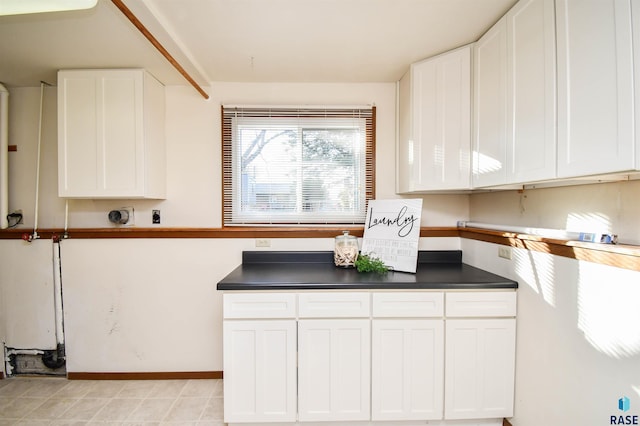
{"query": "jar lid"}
(345, 235)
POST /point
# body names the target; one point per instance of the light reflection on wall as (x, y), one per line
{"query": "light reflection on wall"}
(608, 309)
(589, 222)
(536, 269)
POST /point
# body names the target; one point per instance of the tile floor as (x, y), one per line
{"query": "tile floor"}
(58, 401)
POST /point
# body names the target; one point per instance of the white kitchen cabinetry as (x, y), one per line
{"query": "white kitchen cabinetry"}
(334, 357)
(259, 358)
(333, 369)
(407, 356)
(480, 355)
(531, 90)
(595, 87)
(435, 119)
(515, 98)
(111, 141)
(368, 357)
(490, 107)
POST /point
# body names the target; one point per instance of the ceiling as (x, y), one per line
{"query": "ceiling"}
(244, 40)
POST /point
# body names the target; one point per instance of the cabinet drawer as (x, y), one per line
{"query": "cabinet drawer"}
(260, 305)
(334, 305)
(481, 304)
(408, 304)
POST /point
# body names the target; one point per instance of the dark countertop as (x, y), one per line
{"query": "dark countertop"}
(267, 270)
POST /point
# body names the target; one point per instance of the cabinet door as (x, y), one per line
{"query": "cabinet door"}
(595, 87)
(442, 121)
(334, 369)
(78, 151)
(407, 369)
(101, 133)
(479, 368)
(110, 134)
(490, 112)
(434, 149)
(531, 53)
(260, 371)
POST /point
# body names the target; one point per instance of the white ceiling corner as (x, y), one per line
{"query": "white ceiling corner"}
(245, 40)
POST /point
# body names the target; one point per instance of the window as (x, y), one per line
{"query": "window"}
(297, 165)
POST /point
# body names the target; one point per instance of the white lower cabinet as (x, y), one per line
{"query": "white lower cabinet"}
(480, 368)
(260, 371)
(407, 369)
(333, 369)
(378, 357)
(260, 343)
(480, 355)
(407, 355)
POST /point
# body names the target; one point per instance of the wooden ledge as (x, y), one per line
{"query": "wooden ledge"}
(618, 255)
(621, 256)
(227, 232)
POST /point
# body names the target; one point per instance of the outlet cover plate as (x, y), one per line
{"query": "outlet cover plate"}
(263, 242)
(155, 217)
(504, 252)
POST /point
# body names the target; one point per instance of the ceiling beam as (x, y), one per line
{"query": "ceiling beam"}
(136, 22)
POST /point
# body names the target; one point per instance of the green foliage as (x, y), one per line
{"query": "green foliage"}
(366, 263)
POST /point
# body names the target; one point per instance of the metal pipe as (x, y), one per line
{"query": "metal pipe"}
(57, 294)
(4, 157)
(35, 213)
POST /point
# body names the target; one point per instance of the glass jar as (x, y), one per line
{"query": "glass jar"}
(345, 251)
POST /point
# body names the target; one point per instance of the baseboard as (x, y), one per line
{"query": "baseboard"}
(169, 375)
(506, 422)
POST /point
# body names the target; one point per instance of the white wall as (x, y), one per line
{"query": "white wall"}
(151, 305)
(573, 364)
(194, 154)
(578, 340)
(605, 207)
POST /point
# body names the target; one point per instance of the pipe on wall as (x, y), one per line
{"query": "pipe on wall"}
(4, 157)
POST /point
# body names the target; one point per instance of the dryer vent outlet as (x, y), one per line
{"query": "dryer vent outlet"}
(122, 216)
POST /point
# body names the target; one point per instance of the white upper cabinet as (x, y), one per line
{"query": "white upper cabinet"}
(515, 98)
(111, 141)
(490, 109)
(531, 102)
(435, 117)
(595, 87)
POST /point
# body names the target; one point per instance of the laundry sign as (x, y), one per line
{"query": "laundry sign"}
(392, 231)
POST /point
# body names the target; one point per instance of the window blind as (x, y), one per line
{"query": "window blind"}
(297, 165)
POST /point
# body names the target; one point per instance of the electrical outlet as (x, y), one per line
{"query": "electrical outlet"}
(504, 252)
(155, 217)
(263, 242)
